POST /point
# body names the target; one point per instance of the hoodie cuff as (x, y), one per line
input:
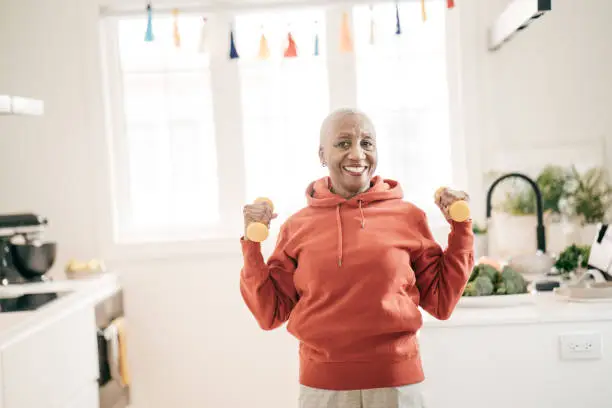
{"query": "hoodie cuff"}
(461, 237)
(253, 258)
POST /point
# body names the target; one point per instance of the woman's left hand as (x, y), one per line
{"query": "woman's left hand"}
(446, 197)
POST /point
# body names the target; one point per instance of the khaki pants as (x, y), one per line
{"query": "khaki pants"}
(408, 396)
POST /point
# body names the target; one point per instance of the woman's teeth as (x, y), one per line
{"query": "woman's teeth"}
(355, 169)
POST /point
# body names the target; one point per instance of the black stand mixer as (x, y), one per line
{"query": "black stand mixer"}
(23, 257)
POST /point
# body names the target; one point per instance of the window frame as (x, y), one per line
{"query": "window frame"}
(224, 72)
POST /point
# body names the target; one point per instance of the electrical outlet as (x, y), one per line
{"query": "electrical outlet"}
(581, 346)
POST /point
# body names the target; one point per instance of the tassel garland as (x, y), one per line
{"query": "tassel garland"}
(291, 50)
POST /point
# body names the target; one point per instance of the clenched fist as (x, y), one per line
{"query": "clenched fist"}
(445, 197)
(257, 212)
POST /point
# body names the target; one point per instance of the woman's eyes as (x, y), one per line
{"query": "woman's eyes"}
(366, 144)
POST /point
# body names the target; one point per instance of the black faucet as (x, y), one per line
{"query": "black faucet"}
(541, 235)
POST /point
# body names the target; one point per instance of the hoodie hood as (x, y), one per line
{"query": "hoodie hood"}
(319, 195)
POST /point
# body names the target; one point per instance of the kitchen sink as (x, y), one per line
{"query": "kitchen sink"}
(587, 291)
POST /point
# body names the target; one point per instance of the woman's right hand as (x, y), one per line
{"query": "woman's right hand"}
(258, 212)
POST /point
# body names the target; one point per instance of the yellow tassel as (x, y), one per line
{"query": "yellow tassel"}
(423, 11)
(346, 43)
(177, 35)
(264, 50)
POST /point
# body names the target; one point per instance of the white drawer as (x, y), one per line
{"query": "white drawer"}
(51, 365)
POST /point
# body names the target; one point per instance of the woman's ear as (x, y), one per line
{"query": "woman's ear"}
(321, 156)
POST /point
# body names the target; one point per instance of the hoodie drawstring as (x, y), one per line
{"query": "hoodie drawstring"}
(339, 227)
(362, 217)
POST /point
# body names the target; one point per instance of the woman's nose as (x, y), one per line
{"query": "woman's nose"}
(356, 153)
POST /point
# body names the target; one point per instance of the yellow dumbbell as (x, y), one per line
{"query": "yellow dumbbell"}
(459, 210)
(257, 231)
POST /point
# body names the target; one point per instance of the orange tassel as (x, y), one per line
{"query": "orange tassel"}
(423, 11)
(264, 50)
(450, 3)
(291, 50)
(177, 34)
(346, 43)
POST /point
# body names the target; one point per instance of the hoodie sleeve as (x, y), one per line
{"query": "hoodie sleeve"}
(267, 288)
(441, 275)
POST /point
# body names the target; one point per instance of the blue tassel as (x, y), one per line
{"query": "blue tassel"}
(316, 48)
(149, 34)
(233, 52)
(398, 28)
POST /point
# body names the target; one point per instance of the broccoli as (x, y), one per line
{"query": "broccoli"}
(481, 286)
(511, 282)
(485, 270)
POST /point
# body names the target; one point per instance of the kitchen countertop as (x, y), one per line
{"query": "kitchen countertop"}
(82, 293)
(534, 308)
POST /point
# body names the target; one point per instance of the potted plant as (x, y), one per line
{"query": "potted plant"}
(586, 202)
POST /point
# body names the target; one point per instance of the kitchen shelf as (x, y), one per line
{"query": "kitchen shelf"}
(17, 105)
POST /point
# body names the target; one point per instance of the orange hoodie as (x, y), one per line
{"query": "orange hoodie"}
(349, 276)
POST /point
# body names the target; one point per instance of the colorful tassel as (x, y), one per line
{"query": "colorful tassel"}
(371, 25)
(423, 11)
(450, 4)
(316, 39)
(149, 34)
(264, 50)
(346, 43)
(203, 46)
(398, 27)
(233, 54)
(176, 33)
(291, 50)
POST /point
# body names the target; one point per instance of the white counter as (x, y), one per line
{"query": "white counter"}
(81, 293)
(519, 356)
(533, 308)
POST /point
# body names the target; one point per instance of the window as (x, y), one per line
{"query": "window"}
(167, 174)
(196, 134)
(284, 101)
(401, 84)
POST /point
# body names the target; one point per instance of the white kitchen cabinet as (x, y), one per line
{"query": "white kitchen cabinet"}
(86, 398)
(50, 365)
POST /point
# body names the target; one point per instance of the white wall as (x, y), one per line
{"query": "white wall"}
(211, 352)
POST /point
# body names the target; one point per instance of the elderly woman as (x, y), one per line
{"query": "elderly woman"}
(349, 272)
